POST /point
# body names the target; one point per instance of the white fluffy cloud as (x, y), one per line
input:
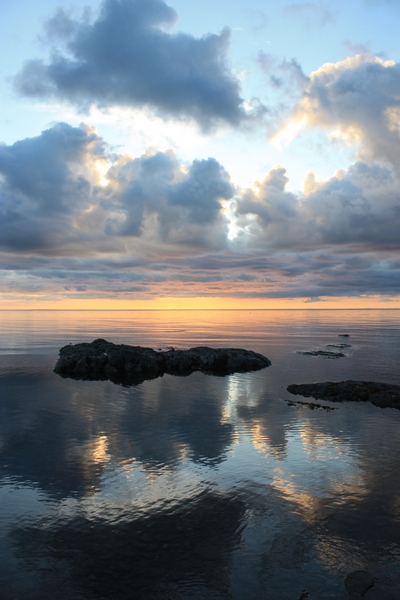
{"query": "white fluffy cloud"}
(357, 99)
(358, 207)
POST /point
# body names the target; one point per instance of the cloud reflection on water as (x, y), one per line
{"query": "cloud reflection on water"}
(314, 491)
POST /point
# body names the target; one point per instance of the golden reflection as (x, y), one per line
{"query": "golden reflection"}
(203, 296)
(343, 478)
(308, 504)
(95, 451)
(268, 442)
(314, 441)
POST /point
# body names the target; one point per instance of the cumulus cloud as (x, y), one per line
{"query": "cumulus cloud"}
(52, 197)
(99, 224)
(152, 224)
(186, 202)
(45, 181)
(358, 207)
(127, 57)
(358, 100)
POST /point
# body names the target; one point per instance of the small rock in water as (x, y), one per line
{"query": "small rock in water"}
(303, 594)
(358, 582)
(384, 395)
(343, 335)
(309, 405)
(338, 346)
(324, 353)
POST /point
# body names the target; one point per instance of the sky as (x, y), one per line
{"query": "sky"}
(202, 154)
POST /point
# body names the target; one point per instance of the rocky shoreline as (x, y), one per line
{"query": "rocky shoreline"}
(384, 395)
(125, 364)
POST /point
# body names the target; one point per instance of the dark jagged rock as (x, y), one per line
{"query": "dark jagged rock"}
(343, 335)
(384, 395)
(133, 364)
(323, 353)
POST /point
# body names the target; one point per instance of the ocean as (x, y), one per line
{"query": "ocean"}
(198, 487)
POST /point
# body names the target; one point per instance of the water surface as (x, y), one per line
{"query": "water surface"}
(200, 486)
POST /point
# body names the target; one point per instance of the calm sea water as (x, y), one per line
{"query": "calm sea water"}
(197, 487)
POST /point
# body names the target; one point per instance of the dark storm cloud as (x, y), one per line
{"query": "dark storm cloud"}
(127, 58)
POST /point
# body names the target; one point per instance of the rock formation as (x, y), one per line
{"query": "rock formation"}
(383, 395)
(133, 364)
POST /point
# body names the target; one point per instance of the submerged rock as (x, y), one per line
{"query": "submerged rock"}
(324, 353)
(338, 346)
(309, 405)
(384, 395)
(132, 364)
(358, 582)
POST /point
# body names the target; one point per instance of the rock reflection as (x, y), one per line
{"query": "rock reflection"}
(187, 547)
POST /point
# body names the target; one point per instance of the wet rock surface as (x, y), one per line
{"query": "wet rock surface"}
(133, 364)
(384, 395)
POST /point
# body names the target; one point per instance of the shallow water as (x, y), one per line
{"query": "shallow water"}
(197, 487)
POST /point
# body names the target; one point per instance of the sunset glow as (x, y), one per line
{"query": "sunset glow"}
(161, 155)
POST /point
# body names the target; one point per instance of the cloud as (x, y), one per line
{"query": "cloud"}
(285, 75)
(356, 48)
(357, 100)
(358, 207)
(185, 201)
(52, 197)
(45, 181)
(160, 221)
(79, 218)
(126, 57)
(311, 13)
